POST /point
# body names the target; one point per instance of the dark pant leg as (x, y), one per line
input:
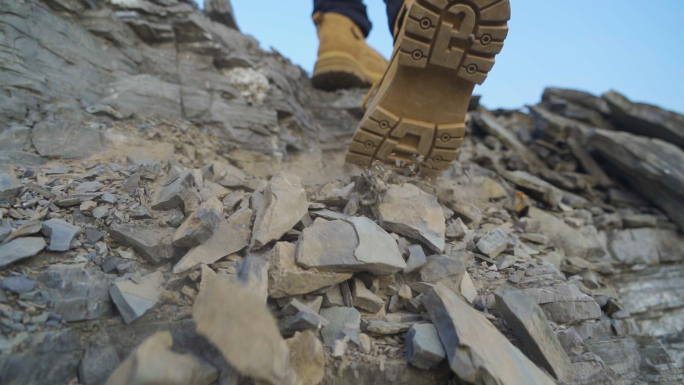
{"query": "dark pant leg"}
(353, 9)
(393, 9)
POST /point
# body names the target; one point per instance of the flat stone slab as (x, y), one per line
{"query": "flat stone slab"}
(152, 242)
(475, 348)
(281, 207)
(61, 234)
(19, 249)
(340, 318)
(353, 244)
(231, 237)
(530, 325)
(424, 349)
(134, 299)
(565, 303)
(79, 292)
(411, 212)
(286, 278)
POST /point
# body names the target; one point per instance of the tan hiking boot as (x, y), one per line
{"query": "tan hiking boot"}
(417, 112)
(344, 58)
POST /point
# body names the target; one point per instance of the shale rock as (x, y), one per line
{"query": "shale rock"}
(411, 212)
(530, 325)
(646, 246)
(19, 249)
(152, 242)
(477, 352)
(281, 207)
(134, 299)
(652, 167)
(79, 292)
(565, 303)
(425, 350)
(286, 278)
(200, 226)
(61, 233)
(231, 237)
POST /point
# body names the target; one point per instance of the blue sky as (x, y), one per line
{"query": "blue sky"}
(633, 46)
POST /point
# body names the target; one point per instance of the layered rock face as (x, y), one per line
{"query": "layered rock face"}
(174, 209)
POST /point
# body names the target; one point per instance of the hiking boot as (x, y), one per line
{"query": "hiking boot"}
(416, 114)
(344, 58)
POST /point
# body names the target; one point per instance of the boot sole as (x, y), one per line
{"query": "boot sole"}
(418, 114)
(338, 70)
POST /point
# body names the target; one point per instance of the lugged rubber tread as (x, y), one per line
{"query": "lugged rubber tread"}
(439, 39)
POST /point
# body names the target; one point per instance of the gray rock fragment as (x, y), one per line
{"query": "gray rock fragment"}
(416, 259)
(530, 325)
(646, 246)
(411, 212)
(18, 284)
(493, 243)
(288, 279)
(134, 299)
(573, 243)
(475, 348)
(231, 237)
(5, 229)
(282, 206)
(152, 242)
(97, 364)
(565, 303)
(199, 226)
(339, 317)
(174, 194)
(9, 187)
(424, 349)
(79, 292)
(19, 249)
(60, 232)
(365, 299)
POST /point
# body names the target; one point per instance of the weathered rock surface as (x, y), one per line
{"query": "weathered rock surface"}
(424, 347)
(231, 237)
(650, 166)
(350, 245)
(411, 212)
(281, 207)
(340, 318)
(477, 352)
(97, 364)
(286, 278)
(134, 299)
(646, 246)
(19, 249)
(565, 303)
(243, 330)
(9, 187)
(530, 325)
(365, 299)
(152, 242)
(174, 194)
(646, 120)
(61, 233)
(79, 292)
(570, 240)
(201, 225)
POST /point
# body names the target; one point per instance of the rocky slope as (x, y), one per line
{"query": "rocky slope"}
(174, 209)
